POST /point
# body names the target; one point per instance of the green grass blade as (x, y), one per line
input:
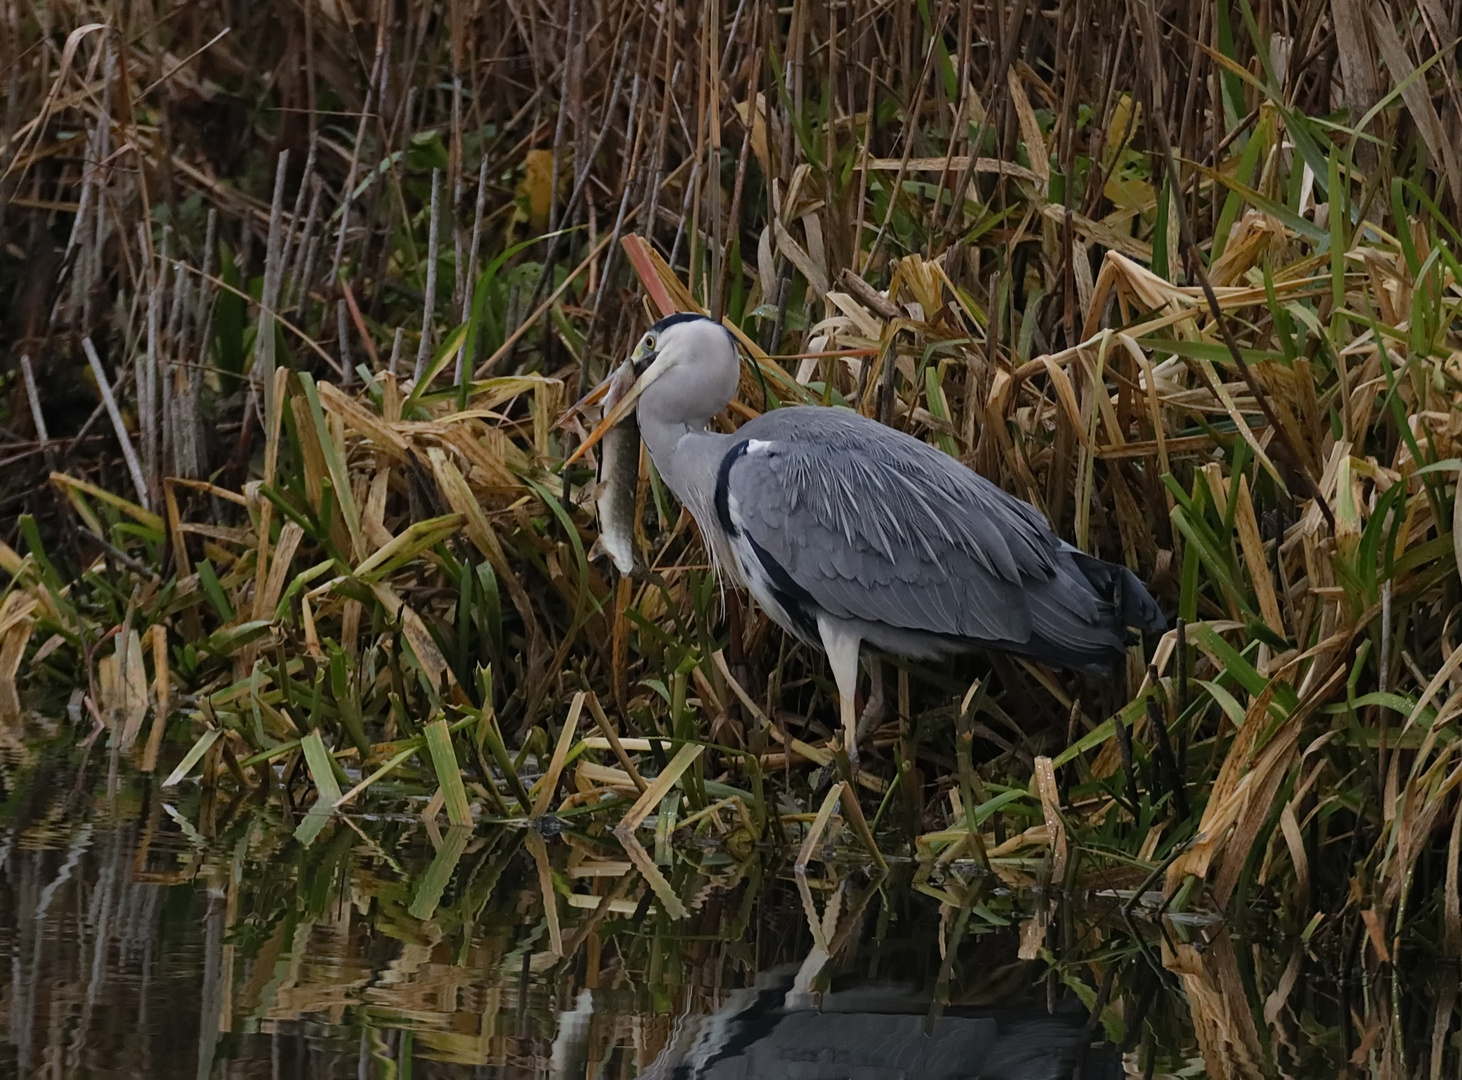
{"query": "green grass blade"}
(449, 773)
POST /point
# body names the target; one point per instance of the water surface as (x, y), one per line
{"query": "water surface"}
(133, 945)
(159, 933)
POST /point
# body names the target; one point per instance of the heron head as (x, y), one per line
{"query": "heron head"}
(686, 370)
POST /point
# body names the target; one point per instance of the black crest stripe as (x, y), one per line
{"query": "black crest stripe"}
(678, 318)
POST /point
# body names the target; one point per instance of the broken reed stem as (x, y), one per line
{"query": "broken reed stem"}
(263, 372)
(78, 251)
(183, 401)
(308, 246)
(129, 454)
(342, 327)
(146, 365)
(470, 285)
(391, 365)
(295, 234)
(37, 417)
(210, 245)
(423, 350)
(175, 348)
(347, 193)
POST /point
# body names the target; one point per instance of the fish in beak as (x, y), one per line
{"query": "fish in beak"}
(650, 365)
(619, 476)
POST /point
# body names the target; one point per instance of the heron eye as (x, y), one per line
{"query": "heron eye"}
(650, 342)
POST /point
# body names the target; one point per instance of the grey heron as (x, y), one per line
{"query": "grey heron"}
(849, 532)
(771, 1031)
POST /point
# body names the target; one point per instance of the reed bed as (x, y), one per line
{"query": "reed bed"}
(299, 298)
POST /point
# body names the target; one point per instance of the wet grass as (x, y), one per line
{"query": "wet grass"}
(298, 311)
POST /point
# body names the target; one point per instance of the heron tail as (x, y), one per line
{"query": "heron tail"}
(1120, 587)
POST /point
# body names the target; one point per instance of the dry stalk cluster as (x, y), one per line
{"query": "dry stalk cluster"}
(298, 296)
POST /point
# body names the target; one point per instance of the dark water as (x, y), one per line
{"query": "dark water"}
(131, 945)
(148, 933)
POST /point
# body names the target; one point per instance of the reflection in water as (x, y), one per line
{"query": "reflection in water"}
(390, 949)
(137, 946)
(875, 1032)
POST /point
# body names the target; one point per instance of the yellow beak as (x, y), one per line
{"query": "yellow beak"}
(589, 400)
(622, 408)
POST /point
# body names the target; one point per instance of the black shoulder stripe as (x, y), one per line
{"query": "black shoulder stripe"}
(795, 600)
(779, 576)
(723, 494)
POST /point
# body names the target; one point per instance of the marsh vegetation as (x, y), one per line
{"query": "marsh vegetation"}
(298, 298)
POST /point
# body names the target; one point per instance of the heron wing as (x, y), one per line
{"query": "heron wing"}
(873, 524)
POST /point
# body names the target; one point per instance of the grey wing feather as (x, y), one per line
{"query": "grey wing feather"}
(876, 525)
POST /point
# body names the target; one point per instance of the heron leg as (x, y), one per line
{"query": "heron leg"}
(841, 645)
(875, 709)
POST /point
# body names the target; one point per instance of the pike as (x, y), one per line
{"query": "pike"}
(619, 477)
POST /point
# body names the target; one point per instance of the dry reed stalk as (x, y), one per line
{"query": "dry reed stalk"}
(307, 245)
(342, 330)
(428, 312)
(1062, 341)
(134, 466)
(146, 366)
(264, 347)
(467, 285)
(299, 228)
(347, 192)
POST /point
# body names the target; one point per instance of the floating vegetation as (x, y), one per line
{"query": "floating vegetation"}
(299, 301)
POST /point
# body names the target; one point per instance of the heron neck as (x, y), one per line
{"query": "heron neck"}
(685, 454)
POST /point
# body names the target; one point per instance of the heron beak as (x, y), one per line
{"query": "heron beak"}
(624, 406)
(589, 400)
